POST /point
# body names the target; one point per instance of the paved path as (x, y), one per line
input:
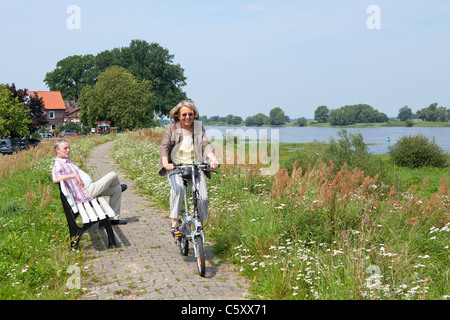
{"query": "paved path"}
(147, 265)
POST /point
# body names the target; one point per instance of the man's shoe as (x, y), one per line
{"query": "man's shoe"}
(124, 187)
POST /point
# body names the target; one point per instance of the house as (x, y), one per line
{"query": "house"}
(54, 107)
(72, 113)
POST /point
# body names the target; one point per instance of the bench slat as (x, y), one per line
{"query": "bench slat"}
(92, 216)
(108, 210)
(98, 210)
(69, 197)
(83, 214)
(88, 213)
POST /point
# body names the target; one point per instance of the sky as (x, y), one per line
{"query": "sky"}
(243, 57)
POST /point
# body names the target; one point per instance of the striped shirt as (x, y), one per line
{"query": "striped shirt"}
(64, 167)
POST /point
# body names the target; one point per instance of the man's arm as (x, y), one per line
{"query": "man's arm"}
(58, 176)
(68, 177)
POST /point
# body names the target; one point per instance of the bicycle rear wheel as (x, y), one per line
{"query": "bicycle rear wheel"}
(200, 256)
(183, 242)
(183, 246)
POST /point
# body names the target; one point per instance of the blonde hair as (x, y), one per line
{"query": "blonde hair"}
(175, 112)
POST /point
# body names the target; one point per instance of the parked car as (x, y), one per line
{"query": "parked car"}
(33, 142)
(67, 133)
(6, 147)
(23, 145)
(46, 134)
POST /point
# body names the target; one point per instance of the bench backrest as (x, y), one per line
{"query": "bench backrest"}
(96, 210)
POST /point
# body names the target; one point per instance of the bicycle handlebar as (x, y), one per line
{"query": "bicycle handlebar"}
(206, 167)
(194, 165)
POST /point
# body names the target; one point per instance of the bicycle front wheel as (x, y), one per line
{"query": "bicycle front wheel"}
(200, 256)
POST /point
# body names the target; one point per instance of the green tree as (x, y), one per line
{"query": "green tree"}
(405, 113)
(261, 119)
(429, 113)
(145, 61)
(214, 119)
(229, 119)
(237, 120)
(302, 122)
(359, 113)
(152, 62)
(257, 120)
(321, 114)
(276, 117)
(14, 119)
(32, 103)
(71, 75)
(434, 113)
(250, 121)
(118, 97)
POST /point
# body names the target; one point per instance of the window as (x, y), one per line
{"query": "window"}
(51, 114)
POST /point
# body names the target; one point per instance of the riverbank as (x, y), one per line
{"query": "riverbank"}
(378, 138)
(312, 123)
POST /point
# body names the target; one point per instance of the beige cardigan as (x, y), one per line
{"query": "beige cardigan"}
(172, 141)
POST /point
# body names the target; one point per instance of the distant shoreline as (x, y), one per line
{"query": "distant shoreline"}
(356, 125)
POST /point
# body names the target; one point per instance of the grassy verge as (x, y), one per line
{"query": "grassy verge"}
(35, 253)
(316, 232)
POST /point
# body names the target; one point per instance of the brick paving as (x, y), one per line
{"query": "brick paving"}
(146, 265)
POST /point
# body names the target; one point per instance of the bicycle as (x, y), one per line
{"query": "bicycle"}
(189, 224)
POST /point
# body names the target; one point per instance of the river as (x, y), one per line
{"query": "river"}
(379, 138)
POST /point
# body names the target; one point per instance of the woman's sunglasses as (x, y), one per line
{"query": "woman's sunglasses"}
(185, 114)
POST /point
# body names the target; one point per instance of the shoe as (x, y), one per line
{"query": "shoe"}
(124, 187)
(175, 231)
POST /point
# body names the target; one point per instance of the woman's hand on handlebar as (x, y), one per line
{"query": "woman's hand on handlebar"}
(169, 167)
(214, 164)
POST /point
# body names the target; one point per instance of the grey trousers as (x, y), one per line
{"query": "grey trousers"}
(108, 185)
(177, 195)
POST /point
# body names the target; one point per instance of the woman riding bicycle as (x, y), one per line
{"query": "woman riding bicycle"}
(185, 142)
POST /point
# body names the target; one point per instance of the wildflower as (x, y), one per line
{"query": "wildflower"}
(335, 252)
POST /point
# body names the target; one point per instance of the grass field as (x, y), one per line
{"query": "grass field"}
(317, 232)
(312, 231)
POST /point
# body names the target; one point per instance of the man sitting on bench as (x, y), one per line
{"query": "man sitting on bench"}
(81, 186)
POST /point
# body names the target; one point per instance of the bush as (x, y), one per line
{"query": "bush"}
(417, 151)
(349, 148)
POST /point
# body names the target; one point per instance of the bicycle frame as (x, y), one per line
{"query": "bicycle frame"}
(190, 218)
(189, 224)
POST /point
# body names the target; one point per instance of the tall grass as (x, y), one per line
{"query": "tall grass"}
(34, 238)
(316, 231)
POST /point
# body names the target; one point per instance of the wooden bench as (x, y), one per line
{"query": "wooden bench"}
(90, 212)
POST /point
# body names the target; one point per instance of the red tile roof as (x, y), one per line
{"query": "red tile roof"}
(52, 99)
